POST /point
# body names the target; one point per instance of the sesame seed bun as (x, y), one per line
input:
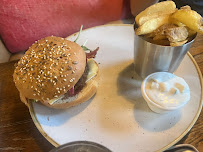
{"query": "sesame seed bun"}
(49, 68)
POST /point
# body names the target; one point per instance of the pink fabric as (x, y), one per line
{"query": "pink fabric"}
(22, 22)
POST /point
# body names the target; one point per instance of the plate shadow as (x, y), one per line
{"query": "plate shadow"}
(129, 86)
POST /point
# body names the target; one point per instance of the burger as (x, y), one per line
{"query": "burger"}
(56, 72)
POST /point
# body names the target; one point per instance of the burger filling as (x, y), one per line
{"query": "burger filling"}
(79, 85)
(90, 72)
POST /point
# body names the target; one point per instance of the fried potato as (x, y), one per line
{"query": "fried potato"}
(144, 19)
(176, 22)
(191, 32)
(190, 18)
(178, 43)
(159, 37)
(177, 34)
(186, 7)
(152, 25)
(160, 33)
(164, 42)
(154, 10)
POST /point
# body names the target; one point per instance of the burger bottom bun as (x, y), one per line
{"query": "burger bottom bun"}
(85, 94)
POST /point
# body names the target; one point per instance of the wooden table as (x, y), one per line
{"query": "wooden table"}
(18, 132)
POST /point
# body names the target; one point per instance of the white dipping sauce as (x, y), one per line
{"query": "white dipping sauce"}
(167, 90)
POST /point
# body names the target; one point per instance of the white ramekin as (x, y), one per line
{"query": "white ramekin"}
(154, 106)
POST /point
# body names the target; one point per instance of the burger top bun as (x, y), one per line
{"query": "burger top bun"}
(49, 68)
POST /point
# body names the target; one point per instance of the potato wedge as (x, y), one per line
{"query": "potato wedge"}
(190, 18)
(161, 8)
(178, 43)
(176, 22)
(146, 18)
(159, 37)
(191, 32)
(152, 25)
(177, 34)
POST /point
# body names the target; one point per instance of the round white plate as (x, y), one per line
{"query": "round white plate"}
(117, 116)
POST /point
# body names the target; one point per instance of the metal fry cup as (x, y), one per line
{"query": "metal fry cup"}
(150, 58)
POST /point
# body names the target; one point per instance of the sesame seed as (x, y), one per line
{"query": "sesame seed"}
(64, 80)
(58, 91)
(55, 96)
(34, 94)
(69, 68)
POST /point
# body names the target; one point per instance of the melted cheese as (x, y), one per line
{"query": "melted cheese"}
(93, 69)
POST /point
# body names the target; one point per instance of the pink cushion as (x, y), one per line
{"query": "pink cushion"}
(22, 22)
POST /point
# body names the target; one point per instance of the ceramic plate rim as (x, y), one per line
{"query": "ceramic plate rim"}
(54, 143)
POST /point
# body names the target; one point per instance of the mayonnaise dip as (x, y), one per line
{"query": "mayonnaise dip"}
(166, 90)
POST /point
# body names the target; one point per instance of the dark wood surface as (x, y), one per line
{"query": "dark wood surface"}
(18, 132)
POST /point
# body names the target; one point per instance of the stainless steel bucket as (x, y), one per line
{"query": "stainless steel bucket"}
(150, 58)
